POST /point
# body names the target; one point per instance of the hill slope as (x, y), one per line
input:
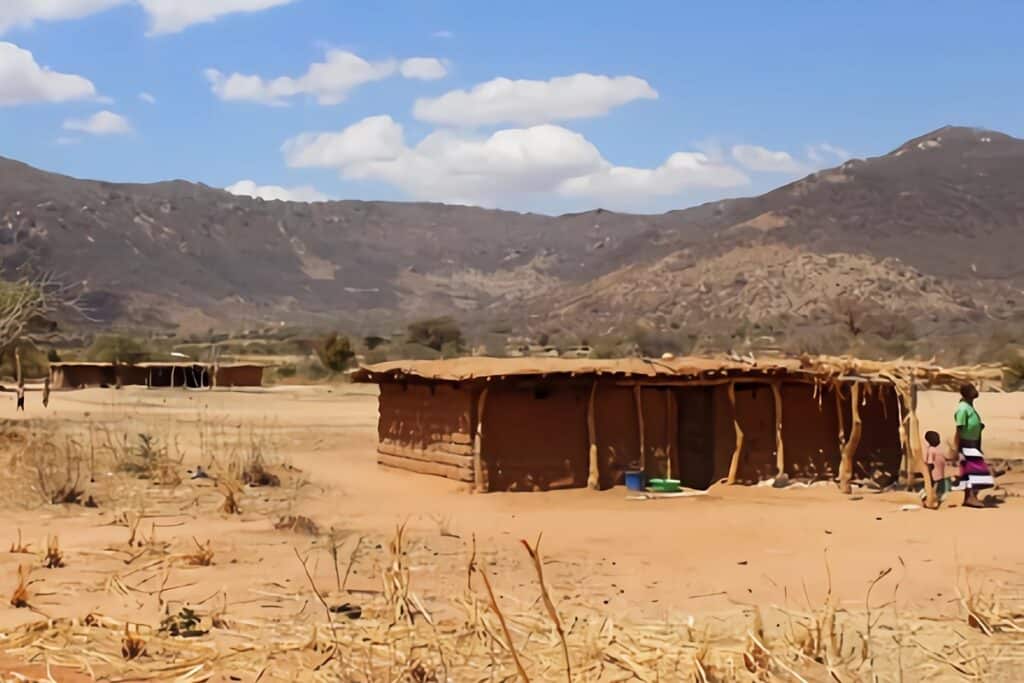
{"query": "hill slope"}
(932, 231)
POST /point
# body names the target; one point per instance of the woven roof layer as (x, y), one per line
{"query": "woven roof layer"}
(815, 368)
(462, 369)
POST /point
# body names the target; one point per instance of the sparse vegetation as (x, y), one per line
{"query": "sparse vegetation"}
(116, 348)
(440, 334)
(335, 352)
(20, 595)
(54, 558)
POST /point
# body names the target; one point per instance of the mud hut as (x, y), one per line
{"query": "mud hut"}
(160, 374)
(82, 375)
(518, 424)
(238, 375)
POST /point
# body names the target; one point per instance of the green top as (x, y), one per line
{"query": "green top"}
(968, 421)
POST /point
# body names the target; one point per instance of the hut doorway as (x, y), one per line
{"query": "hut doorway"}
(755, 411)
(696, 436)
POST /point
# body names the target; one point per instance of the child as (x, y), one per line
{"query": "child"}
(935, 459)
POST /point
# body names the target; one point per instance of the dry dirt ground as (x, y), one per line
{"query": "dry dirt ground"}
(703, 560)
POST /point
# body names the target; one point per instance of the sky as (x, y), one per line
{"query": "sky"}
(527, 105)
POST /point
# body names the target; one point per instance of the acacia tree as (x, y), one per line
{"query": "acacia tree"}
(31, 299)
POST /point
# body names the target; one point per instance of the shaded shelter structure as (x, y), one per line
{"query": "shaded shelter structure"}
(161, 374)
(514, 424)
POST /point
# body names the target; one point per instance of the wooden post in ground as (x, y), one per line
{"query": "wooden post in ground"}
(480, 483)
(593, 472)
(638, 400)
(850, 447)
(780, 456)
(734, 465)
(915, 451)
(672, 417)
(17, 367)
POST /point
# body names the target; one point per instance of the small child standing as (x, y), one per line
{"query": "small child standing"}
(935, 460)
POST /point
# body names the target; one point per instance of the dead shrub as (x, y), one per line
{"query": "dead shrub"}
(255, 474)
(20, 596)
(203, 555)
(54, 558)
(18, 547)
(57, 467)
(230, 492)
(147, 459)
(132, 645)
(299, 524)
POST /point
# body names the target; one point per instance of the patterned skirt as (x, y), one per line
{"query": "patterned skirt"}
(974, 472)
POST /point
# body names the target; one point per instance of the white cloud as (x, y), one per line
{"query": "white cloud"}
(443, 35)
(681, 172)
(100, 123)
(23, 13)
(173, 16)
(147, 98)
(526, 102)
(424, 68)
(248, 188)
(65, 140)
(764, 160)
(23, 81)
(377, 138)
(509, 167)
(826, 153)
(329, 81)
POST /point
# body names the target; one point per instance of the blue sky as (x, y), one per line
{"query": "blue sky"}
(639, 106)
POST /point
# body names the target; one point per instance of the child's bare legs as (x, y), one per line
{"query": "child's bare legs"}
(971, 499)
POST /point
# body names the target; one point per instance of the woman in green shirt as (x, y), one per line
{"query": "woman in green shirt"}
(974, 472)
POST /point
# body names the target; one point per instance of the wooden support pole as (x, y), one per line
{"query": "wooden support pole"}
(850, 447)
(734, 466)
(916, 451)
(638, 400)
(780, 455)
(672, 420)
(480, 483)
(837, 391)
(593, 473)
(17, 367)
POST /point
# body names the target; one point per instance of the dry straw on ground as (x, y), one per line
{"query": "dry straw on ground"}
(479, 637)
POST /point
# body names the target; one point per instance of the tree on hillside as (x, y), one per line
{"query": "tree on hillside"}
(437, 333)
(117, 348)
(335, 352)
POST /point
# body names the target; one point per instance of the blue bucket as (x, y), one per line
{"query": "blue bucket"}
(635, 480)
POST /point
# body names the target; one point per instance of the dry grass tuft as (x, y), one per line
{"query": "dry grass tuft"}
(231, 492)
(19, 548)
(203, 555)
(299, 524)
(20, 596)
(132, 645)
(54, 558)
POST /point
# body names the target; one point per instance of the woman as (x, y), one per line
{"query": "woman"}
(974, 473)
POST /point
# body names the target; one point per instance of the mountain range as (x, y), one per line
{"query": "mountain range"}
(930, 235)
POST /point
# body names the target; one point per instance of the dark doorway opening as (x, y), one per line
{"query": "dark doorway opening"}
(696, 436)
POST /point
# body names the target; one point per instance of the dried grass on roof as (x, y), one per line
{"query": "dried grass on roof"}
(812, 368)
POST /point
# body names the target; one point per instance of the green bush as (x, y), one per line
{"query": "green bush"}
(335, 352)
(436, 333)
(117, 348)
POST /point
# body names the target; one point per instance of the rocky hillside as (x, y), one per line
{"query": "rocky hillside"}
(931, 233)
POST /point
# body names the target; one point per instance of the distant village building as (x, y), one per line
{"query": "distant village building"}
(191, 375)
(524, 424)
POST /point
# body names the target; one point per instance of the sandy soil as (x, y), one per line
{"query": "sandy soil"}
(643, 559)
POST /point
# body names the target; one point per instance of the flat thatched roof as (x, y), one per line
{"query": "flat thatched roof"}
(809, 368)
